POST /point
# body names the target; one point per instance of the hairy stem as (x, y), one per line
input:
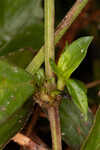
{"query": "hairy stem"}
(60, 30)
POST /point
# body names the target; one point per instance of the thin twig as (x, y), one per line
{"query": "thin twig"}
(38, 140)
(87, 16)
(93, 84)
(33, 121)
(27, 142)
(32, 124)
(69, 18)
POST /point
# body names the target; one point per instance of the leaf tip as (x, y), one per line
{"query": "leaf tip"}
(88, 40)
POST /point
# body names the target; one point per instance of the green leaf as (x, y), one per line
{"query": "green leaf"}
(15, 123)
(78, 95)
(20, 58)
(20, 25)
(54, 67)
(93, 140)
(15, 88)
(73, 126)
(82, 85)
(39, 77)
(72, 57)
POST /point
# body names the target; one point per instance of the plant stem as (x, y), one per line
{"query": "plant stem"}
(93, 84)
(60, 30)
(33, 121)
(60, 84)
(53, 113)
(49, 35)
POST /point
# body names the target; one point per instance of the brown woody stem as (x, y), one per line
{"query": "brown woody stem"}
(93, 84)
(53, 114)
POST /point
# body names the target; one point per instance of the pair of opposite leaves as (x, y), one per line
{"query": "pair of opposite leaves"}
(16, 87)
(68, 62)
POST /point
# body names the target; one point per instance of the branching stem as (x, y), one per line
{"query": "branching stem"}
(49, 53)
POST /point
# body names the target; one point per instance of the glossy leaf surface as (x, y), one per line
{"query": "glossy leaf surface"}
(15, 88)
(71, 57)
(20, 25)
(93, 140)
(20, 58)
(74, 128)
(78, 95)
(15, 123)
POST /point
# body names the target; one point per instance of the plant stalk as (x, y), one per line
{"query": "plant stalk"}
(60, 84)
(53, 113)
(60, 30)
(49, 36)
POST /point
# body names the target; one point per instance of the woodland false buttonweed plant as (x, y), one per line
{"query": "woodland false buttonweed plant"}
(18, 85)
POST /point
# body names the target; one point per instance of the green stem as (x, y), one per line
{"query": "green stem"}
(61, 29)
(49, 36)
(53, 113)
(60, 84)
